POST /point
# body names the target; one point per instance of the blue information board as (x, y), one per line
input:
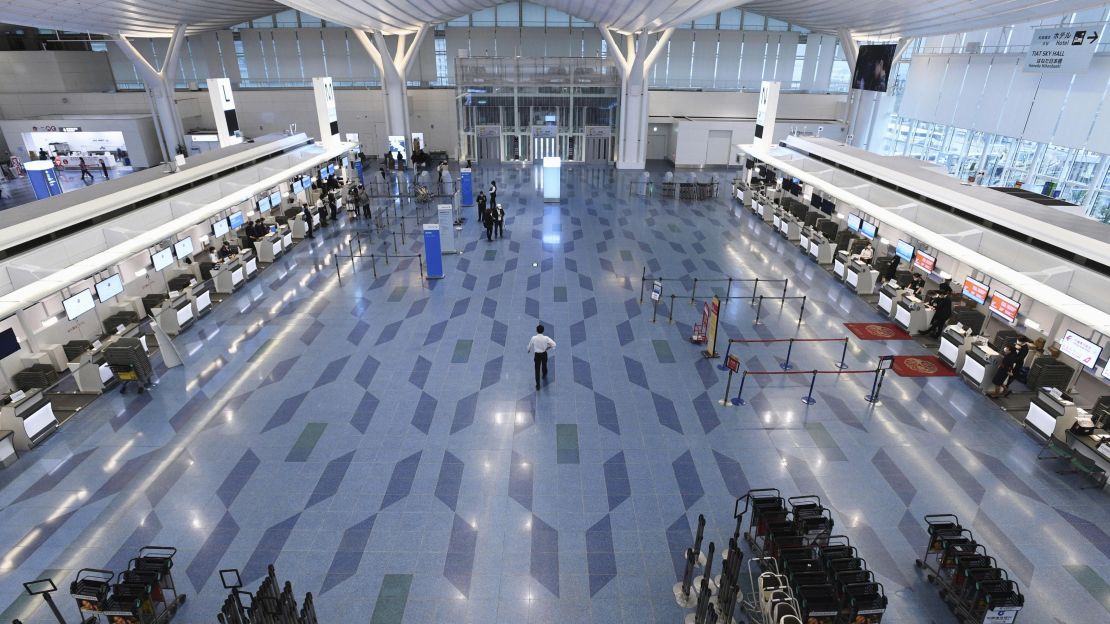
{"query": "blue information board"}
(44, 180)
(358, 170)
(433, 253)
(466, 186)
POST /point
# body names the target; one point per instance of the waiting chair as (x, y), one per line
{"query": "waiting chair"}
(1086, 466)
(1057, 450)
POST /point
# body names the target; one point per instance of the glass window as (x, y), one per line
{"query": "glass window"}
(557, 18)
(263, 22)
(441, 60)
(241, 58)
(460, 22)
(774, 24)
(730, 19)
(707, 22)
(308, 21)
(532, 14)
(754, 21)
(286, 19)
(484, 17)
(508, 14)
(98, 46)
(579, 23)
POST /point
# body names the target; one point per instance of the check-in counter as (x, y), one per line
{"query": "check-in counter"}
(1094, 445)
(1051, 413)
(90, 371)
(175, 315)
(954, 343)
(30, 419)
(840, 265)
(229, 276)
(269, 248)
(980, 364)
(912, 315)
(789, 228)
(286, 237)
(821, 250)
(889, 295)
(50, 355)
(201, 298)
(8, 454)
(743, 194)
(861, 277)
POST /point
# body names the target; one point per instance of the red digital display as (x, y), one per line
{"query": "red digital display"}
(975, 290)
(924, 261)
(1005, 307)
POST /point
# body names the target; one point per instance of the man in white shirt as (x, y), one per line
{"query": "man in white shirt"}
(539, 345)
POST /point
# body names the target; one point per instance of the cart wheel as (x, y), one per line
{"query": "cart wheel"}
(931, 578)
(918, 563)
(181, 599)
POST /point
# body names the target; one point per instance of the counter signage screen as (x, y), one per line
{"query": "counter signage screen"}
(219, 228)
(853, 222)
(9, 344)
(184, 247)
(162, 259)
(868, 229)
(236, 220)
(109, 288)
(828, 206)
(331, 168)
(275, 199)
(1105, 371)
(975, 290)
(346, 162)
(264, 204)
(904, 250)
(1004, 307)
(924, 261)
(78, 304)
(873, 67)
(1083, 350)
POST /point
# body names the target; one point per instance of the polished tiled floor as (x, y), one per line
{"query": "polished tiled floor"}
(382, 443)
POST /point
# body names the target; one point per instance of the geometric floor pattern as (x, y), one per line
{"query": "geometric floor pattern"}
(381, 441)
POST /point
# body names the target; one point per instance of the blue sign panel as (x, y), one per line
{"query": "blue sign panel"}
(466, 185)
(44, 180)
(433, 253)
(358, 170)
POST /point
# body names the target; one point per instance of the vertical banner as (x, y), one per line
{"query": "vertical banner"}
(447, 229)
(358, 170)
(432, 252)
(324, 92)
(466, 185)
(223, 111)
(766, 114)
(711, 328)
(44, 180)
(551, 181)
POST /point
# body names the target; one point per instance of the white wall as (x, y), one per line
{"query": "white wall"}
(691, 138)
(138, 134)
(743, 105)
(54, 72)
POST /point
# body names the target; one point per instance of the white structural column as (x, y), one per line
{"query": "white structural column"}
(634, 63)
(394, 70)
(160, 85)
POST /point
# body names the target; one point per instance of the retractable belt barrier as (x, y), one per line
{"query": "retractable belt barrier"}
(354, 243)
(755, 281)
(789, 349)
(808, 399)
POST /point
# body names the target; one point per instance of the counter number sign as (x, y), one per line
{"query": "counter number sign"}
(657, 290)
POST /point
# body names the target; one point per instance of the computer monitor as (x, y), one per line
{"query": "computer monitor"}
(9, 343)
(264, 205)
(346, 162)
(78, 304)
(275, 199)
(904, 250)
(1005, 308)
(749, 164)
(975, 290)
(815, 201)
(109, 287)
(236, 220)
(854, 222)
(162, 259)
(829, 207)
(870, 230)
(1082, 350)
(924, 261)
(184, 247)
(331, 168)
(219, 227)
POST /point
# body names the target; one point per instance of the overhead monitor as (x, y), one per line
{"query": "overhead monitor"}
(236, 220)
(1005, 308)
(868, 229)
(9, 343)
(162, 259)
(904, 250)
(109, 288)
(829, 206)
(854, 222)
(323, 174)
(815, 201)
(331, 168)
(873, 64)
(219, 227)
(975, 290)
(1082, 350)
(78, 304)
(264, 204)
(346, 162)
(184, 248)
(924, 261)
(275, 199)
(749, 164)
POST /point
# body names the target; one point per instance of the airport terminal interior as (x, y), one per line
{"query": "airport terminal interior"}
(822, 289)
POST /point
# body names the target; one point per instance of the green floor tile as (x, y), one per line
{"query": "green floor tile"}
(491, 254)
(824, 441)
(663, 351)
(560, 294)
(392, 598)
(1091, 581)
(462, 351)
(566, 444)
(302, 448)
(398, 293)
(626, 255)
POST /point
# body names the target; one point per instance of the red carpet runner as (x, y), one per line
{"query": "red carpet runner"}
(921, 366)
(877, 331)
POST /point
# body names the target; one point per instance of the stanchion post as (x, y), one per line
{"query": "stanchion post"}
(739, 400)
(670, 311)
(402, 231)
(758, 309)
(654, 309)
(420, 259)
(724, 365)
(843, 355)
(728, 290)
(728, 386)
(374, 265)
(394, 240)
(802, 311)
(694, 290)
(358, 237)
(789, 348)
(876, 384)
(808, 399)
(643, 278)
(338, 274)
(387, 252)
(755, 290)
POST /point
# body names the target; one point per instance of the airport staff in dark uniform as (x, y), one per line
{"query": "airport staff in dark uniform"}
(942, 310)
(539, 346)
(307, 215)
(917, 285)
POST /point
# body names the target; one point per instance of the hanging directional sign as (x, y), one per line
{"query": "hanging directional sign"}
(1066, 50)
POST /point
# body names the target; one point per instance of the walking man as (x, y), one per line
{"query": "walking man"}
(487, 221)
(104, 168)
(85, 171)
(539, 345)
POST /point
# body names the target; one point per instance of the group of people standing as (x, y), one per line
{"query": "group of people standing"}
(490, 213)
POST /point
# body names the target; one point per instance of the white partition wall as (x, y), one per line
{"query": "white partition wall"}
(326, 116)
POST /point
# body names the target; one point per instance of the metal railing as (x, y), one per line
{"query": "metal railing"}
(493, 70)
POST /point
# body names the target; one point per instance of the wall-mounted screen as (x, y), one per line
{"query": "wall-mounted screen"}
(873, 67)
(346, 162)
(219, 227)
(924, 261)
(904, 250)
(975, 290)
(870, 230)
(9, 344)
(162, 259)
(264, 204)
(815, 201)
(1084, 351)
(828, 207)
(78, 304)
(323, 174)
(1005, 307)
(236, 220)
(1106, 371)
(109, 288)
(275, 199)
(854, 222)
(184, 247)
(331, 168)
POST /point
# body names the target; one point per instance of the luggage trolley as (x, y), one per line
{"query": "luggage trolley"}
(142, 594)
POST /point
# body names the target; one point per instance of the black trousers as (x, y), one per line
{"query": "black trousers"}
(499, 229)
(541, 363)
(86, 173)
(489, 232)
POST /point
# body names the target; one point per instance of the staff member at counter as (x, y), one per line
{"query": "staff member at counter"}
(942, 311)
(866, 254)
(225, 251)
(917, 285)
